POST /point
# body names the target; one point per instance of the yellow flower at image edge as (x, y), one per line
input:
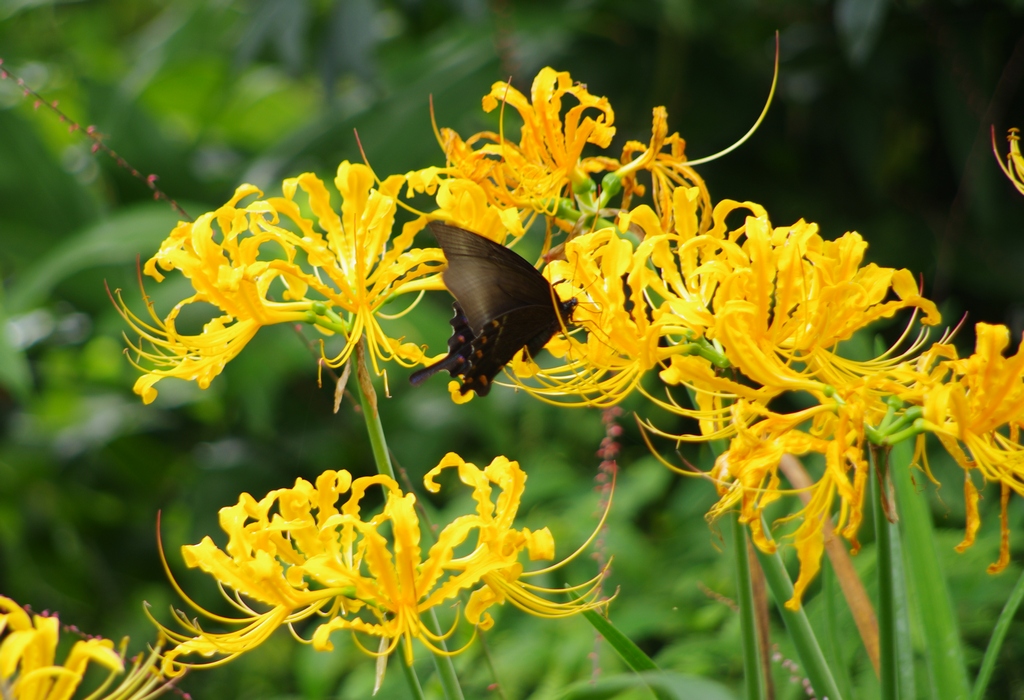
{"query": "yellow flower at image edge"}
(973, 406)
(307, 550)
(266, 263)
(1014, 168)
(28, 668)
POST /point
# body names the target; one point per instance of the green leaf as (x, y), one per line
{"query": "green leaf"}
(988, 664)
(859, 24)
(884, 536)
(666, 684)
(947, 671)
(131, 232)
(633, 655)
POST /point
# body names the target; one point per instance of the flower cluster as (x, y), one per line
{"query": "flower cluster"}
(741, 317)
(738, 317)
(29, 670)
(748, 318)
(546, 172)
(309, 550)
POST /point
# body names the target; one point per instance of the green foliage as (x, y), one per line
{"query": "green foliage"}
(881, 125)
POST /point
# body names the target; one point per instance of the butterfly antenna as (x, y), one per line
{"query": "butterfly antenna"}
(764, 112)
(597, 332)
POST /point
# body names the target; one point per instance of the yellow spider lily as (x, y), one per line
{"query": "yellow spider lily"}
(975, 407)
(334, 270)
(309, 550)
(29, 671)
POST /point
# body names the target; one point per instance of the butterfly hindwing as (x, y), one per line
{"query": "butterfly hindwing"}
(460, 346)
(499, 342)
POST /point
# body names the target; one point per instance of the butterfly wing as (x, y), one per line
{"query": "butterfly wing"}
(460, 349)
(488, 279)
(503, 304)
(529, 327)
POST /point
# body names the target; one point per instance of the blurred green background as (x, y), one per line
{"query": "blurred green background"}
(881, 125)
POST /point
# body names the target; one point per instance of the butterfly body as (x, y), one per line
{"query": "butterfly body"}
(503, 305)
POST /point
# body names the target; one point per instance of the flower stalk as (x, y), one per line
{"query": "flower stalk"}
(754, 682)
(799, 627)
(378, 443)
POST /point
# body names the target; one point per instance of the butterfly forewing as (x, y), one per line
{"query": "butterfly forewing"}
(503, 305)
(488, 279)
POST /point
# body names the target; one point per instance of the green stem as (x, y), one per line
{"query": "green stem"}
(886, 605)
(368, 402)
(799, 628)
(903, 642)
(828, 585)
(988, 664)
(490, 665)
(378, 443)
(411, 678)
(748, 629)
(709, 352)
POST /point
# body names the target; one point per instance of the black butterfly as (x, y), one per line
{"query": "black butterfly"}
(503, 304)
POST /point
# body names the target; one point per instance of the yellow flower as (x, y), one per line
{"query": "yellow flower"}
(335, 271)
(633, 319)
(308, 550)
(747, 476)
(669, 173)
(463, 203)
(28, 668)
(785, 298)
(607, 277)
(773, 304)
(975, 406)
(548, 159)
(1014, 168)
(547, 173)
